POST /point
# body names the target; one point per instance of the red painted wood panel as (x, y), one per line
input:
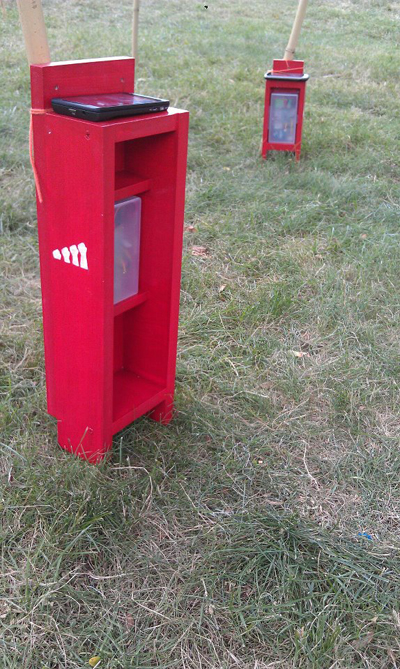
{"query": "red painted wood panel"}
(64, 79)
(289, 69)
(107, 364)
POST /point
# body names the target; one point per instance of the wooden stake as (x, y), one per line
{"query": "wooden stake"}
(135, 25)
(32, 21)
(294, 35)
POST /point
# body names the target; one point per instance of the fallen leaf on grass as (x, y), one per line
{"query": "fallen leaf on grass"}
(222, 288)
(200, 251)
(300, 354)
(396, 618)
(392, 657)
(94, 661)
(359, 644)
(129, 621)
(272, 502)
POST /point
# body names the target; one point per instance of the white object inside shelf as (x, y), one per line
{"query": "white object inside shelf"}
(127, 214)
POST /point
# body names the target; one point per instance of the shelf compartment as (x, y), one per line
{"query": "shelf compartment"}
(133, 397)
(130, 303)
(128, 184)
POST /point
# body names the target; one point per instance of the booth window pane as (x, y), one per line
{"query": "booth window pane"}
(283, 118)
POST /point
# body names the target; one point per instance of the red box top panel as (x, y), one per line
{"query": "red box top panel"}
(81, 77)
(288, 67)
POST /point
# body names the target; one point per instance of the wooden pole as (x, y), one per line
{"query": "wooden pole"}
(294, 35)
(135, 25)
(32, 21)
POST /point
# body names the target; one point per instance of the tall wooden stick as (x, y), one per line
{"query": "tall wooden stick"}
(294, 35)
(135, 25)
(32, 21)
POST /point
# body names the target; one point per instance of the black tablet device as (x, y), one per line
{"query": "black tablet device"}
(105, 106)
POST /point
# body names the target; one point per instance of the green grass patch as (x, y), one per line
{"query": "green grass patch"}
(231, 537)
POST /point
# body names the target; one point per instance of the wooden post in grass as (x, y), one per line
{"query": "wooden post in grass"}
(294, 35)
(32, 21)
(135, 25)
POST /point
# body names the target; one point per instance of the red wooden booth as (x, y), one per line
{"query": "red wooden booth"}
(110, 217)
(284, 107)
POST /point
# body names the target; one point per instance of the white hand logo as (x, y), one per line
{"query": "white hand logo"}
(77, 252)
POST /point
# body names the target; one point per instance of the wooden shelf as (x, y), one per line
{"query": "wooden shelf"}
(128, 184)
(130, 303)
(133, 397)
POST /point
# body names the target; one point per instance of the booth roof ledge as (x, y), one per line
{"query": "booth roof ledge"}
(57, 63)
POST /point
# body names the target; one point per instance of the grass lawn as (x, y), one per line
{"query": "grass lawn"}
(234, 536)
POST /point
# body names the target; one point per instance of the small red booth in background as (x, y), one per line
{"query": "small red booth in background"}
(110, 219)
(284, 106)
